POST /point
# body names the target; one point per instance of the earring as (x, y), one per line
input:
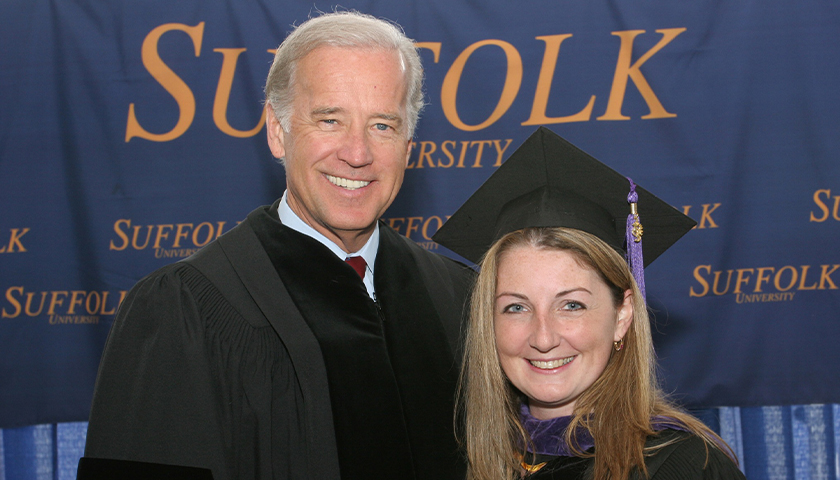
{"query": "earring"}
(618, 345)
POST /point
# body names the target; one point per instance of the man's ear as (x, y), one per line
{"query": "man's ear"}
(625, 316)
(408, 151)
(276, 135)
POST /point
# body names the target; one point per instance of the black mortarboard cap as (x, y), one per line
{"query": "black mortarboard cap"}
(548, 182)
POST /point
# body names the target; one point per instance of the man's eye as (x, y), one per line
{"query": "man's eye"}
(382, 127)
(329, 121)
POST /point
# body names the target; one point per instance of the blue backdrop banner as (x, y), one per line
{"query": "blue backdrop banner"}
(132, 134)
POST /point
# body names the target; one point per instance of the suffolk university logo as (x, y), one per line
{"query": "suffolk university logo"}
(764, 284)
(419, 229)
(767, 283)
(60, 307)
(13, 243)
(627, 70)
(828, 207)
(462, 154)
(166, 240)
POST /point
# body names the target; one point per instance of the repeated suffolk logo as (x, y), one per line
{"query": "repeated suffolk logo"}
(12, 241)
(764, 284)
(165, 240)
(60, 307)
(419, 229)
(828, 207)
(458, 154)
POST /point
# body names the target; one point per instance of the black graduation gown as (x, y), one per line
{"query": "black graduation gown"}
(683, 460)
(210, 362)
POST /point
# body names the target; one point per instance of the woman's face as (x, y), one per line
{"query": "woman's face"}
(555, 323)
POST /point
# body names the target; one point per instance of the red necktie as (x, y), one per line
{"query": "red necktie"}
(358, 264)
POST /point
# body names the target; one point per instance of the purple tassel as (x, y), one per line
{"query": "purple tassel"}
(633, 238)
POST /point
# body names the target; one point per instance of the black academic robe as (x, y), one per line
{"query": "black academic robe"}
(685, 459)
(212, 363)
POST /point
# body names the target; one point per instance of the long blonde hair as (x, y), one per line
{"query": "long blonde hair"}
(628, 388)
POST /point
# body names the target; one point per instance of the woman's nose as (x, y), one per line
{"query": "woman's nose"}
(545, 336)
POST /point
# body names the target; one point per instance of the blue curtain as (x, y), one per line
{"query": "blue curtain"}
(42, 452)
(797, 442)
(800, 442)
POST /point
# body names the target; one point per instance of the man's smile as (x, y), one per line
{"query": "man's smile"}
(347, 183)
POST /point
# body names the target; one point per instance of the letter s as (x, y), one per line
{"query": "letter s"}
(169, 81)
(822, 205)
(702, 281)
(13, 301)
(121, 234)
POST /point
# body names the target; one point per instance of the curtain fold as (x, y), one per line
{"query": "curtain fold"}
(42, 452)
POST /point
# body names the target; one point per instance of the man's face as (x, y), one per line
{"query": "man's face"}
(347, 148)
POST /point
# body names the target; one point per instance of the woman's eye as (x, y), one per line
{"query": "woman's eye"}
(574, 306)
(515, 308)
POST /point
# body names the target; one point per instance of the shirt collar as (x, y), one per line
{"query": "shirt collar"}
(368, 250)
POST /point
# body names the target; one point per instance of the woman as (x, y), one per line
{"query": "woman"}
(559, 373)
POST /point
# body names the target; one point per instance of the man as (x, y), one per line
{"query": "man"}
(266, 355)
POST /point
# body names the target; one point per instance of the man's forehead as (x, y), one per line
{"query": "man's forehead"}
(333, 78)
(360, 50)
(321, 56)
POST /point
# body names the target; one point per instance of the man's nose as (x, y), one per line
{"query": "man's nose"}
(355, 149)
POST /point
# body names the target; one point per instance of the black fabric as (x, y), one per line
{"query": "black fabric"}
(186, 380)
(105, 469)
(225, 374)
(423, 360)
(684, 459)
(363, 389)
(390, 368)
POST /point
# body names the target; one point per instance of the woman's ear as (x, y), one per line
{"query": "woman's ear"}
(624, 316)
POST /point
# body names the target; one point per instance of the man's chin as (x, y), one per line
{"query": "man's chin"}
(348, 224)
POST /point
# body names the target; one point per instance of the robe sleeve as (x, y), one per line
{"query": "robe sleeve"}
(689, 461)
(154, 399)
